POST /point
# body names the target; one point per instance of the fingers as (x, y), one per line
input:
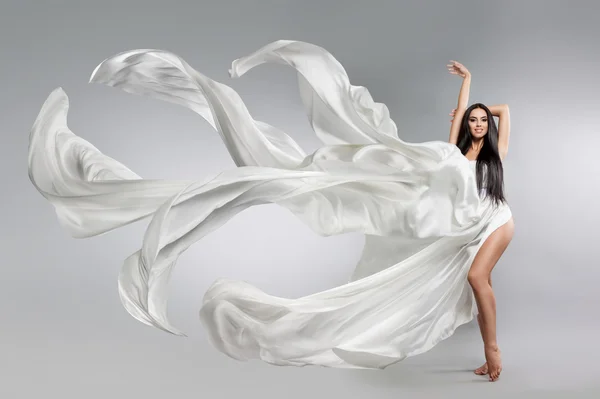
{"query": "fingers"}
(456, 68)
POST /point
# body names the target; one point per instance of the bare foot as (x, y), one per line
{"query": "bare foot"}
(494, 361)
(483, 370)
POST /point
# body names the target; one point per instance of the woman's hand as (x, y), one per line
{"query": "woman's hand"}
(452, 115)
(456, 68)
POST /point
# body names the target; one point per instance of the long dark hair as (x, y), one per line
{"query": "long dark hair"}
(488, 157)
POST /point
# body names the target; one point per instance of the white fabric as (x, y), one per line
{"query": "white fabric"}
(417, 204)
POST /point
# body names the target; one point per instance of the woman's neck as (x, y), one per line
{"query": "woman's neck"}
(476, 145)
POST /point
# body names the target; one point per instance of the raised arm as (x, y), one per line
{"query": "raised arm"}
(503, 114)
(463, 98)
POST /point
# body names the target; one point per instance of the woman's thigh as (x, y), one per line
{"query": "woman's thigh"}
(490, 251)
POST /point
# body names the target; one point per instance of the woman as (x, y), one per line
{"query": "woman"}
(417, 204)
(474, 132)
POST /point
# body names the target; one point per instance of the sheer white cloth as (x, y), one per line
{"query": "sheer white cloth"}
(417, 204)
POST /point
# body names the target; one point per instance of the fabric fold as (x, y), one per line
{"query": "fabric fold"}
(417, 204)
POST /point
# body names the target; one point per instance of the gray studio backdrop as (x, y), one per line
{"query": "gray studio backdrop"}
(63, 331)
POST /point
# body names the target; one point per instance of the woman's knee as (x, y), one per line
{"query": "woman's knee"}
(477, 279)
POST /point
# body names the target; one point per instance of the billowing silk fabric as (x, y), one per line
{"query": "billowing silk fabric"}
(417, 204)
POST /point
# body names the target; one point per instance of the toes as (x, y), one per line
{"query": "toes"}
(481, 370)
(494, 376)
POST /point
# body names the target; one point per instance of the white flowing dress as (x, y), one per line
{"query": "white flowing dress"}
(417, 204)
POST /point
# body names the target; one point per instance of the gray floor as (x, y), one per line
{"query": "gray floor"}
(84, 358)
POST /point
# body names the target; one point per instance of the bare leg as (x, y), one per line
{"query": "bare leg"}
(483, 370)
(479, 278)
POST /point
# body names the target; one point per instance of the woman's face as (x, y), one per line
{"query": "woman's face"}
(478, 123)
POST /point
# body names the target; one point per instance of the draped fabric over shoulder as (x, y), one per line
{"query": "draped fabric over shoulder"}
(417, 204)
